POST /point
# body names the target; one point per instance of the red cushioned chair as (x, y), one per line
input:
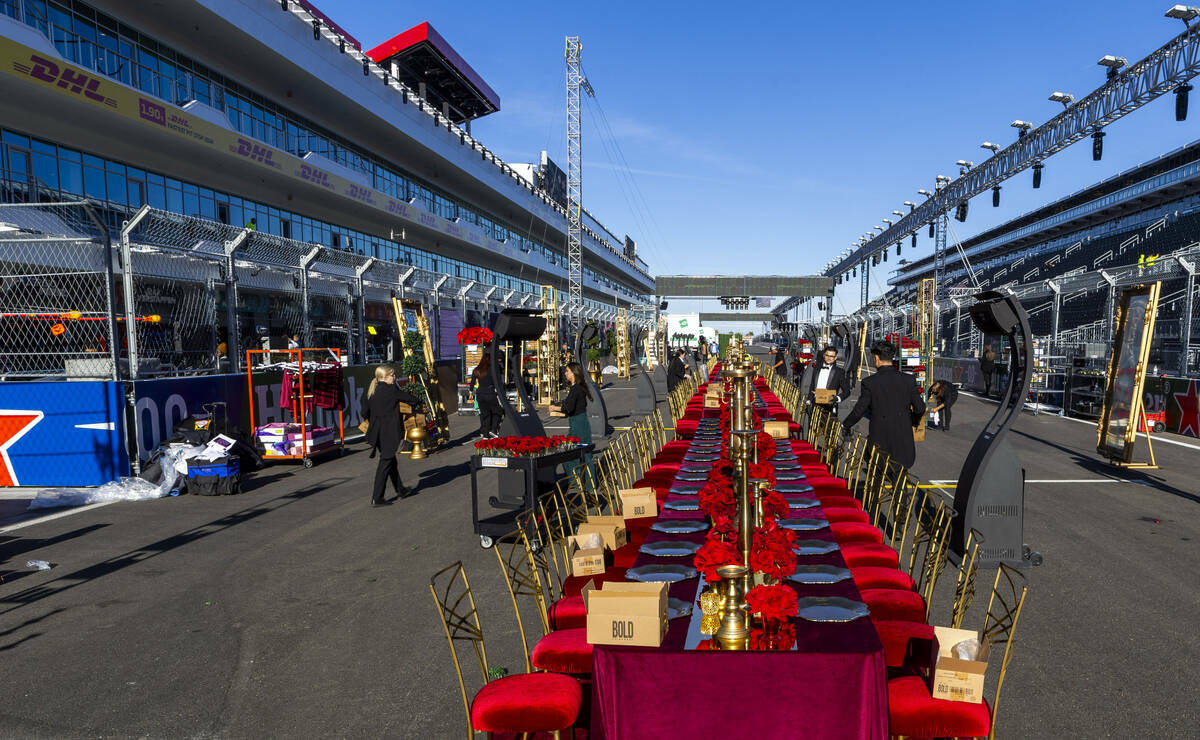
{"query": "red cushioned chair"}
(842, 514)
(894, 604)
(871, 576)
(525, 703)
(839, 502)
(858, 554)
(567, 612)
(847, 532)
(896, 637)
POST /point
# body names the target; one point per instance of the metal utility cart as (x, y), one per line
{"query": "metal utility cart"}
(521, 481)
(301, 407)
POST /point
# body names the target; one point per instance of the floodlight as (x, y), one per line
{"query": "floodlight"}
(993, 148)
(889, 222)
(1113, 63)
(1184, 13)
(1061, 97)
(924, 192)
(910, 205)
(877, 228)
(965, 164)
(1022, 127)
(897, 213)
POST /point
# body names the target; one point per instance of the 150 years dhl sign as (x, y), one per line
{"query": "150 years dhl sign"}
(53, 73)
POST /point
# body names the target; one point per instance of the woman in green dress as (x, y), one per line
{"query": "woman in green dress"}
(574, 407)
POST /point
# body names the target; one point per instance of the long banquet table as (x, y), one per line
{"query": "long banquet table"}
(833, 684)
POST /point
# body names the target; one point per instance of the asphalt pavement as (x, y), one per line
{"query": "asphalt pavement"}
(297, 610)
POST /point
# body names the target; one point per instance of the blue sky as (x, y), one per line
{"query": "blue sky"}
(764, 138)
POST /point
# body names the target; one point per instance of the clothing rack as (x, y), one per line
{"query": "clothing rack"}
(300, 404)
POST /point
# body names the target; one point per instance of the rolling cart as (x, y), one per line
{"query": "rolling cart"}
(521, 481)
(300, 406)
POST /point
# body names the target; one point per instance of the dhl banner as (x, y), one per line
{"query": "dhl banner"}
(38, 68)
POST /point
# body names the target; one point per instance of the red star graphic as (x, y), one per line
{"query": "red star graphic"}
(1189, 409)
(13, 426)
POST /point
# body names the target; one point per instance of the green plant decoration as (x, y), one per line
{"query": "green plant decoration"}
(414, 341)
(412, 365)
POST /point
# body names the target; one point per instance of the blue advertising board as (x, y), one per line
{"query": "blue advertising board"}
(61, 433)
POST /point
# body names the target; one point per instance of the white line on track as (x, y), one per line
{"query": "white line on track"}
(1051, 480)
(51, 517)
(1156, 440)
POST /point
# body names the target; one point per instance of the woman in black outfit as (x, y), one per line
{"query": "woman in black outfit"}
(575, 409)
(944, 395)
(385, 431)
(987, 366)
(486, 395)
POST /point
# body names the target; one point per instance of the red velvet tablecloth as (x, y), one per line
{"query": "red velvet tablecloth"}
(833, 685)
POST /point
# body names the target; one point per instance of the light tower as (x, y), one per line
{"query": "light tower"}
(575, 82)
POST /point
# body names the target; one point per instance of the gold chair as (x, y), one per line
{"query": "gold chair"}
(524, 703)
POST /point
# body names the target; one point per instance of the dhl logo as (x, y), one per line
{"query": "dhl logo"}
(255, 152)
(76, 83)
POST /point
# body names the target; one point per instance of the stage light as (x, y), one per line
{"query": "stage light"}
(960, 213)
(995, 196)
(1037, 174)
(342, 45)
(1022, 128)
(885, 255)
(914, 240)
(897, 213)
(366, 67)
(1181, 101)
(1113, 63)
(964, 165)
(856, 271)
(1061, 97)
(910, 205)
(316, 30)
(930, 229)
(1185, 13)
(888, 221)
(1097, 146)
(993, 148)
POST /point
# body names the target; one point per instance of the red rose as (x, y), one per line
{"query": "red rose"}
(715, 554)
(774, 505)
(717, 498)
(725, 528)
(763, 471)
(781, 637)
(771, 550)
(773, 602)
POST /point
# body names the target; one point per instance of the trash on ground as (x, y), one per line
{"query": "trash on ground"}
(39, 564)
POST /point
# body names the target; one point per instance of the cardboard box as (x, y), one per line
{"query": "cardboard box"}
(777, 429)
(558, 415)
(418, 420)
(637, 503)
(711, 402)
(610, 528)
(585, 561)
(403, 407)
(919, 431)
(626, 613)
(825, 396)
(955, 679)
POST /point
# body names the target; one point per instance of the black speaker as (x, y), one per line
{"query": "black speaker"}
(992, 314)
(515, 323)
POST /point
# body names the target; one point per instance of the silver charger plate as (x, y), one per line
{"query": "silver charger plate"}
(793, 474)
(691, 489)
(831, 609)
(814, 574)
(700, 458)
(670, 548)
(677, 608)
(785, 466)
(682, 505)
(679, 526)
(661, 573)
(793, 487)
(815, 547)
(804, 525)
(692, 477)
(695, 468)
(783, 457)
(802, 503)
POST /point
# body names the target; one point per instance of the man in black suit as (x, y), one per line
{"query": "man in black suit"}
(894, 405)
(676, 371)
(827, 374)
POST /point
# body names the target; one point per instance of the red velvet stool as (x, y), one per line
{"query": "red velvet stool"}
(896, 635)
(858, 554)
(912, 712)
(894, 604)
(563, 651)
(846, 532)
(872, 576)
(845, 514)
(530, 702)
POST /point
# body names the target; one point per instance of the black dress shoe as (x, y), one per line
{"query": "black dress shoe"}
(404, 493)
(377, 504)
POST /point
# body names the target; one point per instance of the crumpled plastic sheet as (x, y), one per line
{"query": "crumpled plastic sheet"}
(609, 370)
(125, 489)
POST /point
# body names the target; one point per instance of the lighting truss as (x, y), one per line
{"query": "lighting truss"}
(1161, 72)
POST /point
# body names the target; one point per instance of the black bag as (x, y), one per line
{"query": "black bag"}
(220, 477)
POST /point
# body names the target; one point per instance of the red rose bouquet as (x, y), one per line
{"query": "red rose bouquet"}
(524, 446)
(771, 550)
(724, 528)
(773, 602)
(766, 444)
(715, 554)
(718, 498)
(475, 335)
(763, 471)
(774, 506)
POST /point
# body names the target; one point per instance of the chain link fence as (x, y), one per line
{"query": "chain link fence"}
(201, 293)
(56, 293)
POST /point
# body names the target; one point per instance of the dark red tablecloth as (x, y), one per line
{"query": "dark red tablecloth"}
(834, 685)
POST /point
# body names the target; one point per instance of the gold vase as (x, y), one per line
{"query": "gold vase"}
(734, 633)
(417, 435)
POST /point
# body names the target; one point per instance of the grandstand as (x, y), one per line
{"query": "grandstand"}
(1068, 260)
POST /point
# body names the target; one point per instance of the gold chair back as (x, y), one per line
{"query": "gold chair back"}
(460, 619)
(1000, 625)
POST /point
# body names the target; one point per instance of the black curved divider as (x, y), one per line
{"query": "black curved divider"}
(517, 324)
(647, 398)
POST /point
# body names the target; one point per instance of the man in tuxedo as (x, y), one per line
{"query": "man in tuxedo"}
(827, 374)
(891, 399)
(676, 371)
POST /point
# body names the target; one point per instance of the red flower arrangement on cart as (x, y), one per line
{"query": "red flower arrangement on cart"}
(475, 335)
(524, 446)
